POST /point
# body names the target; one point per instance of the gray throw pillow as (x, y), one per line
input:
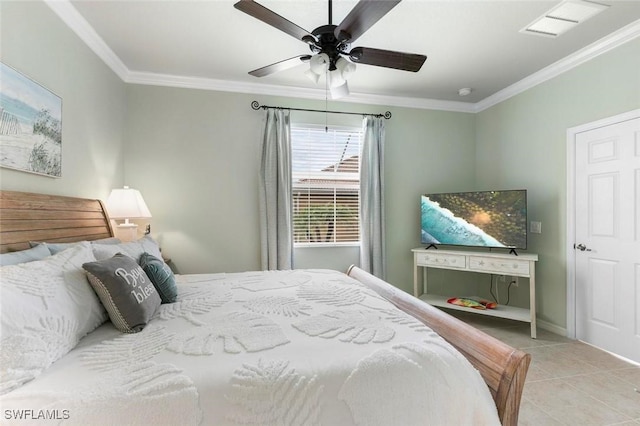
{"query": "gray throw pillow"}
(133, 248)
(125, 290)
(161, 276)
(24, 256)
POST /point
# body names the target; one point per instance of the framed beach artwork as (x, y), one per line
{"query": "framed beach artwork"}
(30, 125)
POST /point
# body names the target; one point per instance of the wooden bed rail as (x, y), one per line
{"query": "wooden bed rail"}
(503, 368)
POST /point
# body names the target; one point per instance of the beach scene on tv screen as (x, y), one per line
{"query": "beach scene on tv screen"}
(486, 219)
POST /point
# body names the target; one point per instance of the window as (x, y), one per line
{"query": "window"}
(326, 185)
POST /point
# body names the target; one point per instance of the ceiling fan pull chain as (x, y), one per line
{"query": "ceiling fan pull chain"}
(326, 102)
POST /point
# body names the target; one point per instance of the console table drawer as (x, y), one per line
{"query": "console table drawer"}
(500, 266)
(435, 260)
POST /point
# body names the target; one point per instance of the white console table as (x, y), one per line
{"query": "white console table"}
(522, 265)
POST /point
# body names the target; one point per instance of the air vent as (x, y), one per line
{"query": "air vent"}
(563, 17)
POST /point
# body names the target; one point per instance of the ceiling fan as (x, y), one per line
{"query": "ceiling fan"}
(330, 44)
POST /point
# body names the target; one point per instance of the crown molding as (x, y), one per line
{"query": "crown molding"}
(166, 80)
(200, 83)
(406, 102)
(72, 18)
(605, 44)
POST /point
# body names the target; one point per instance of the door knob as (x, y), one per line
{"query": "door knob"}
(581, 247)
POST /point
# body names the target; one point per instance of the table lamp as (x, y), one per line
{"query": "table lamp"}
(127, 203)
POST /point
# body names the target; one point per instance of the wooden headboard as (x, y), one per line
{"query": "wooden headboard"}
(28, 217)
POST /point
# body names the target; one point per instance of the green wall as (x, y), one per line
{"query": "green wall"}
(522, 142)
(195, 155)
(34, 41)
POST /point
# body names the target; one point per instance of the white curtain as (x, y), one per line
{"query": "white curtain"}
(372, 251)
(275, 192)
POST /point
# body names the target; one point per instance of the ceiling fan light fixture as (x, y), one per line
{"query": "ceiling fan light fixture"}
(312, 76)
(332, 41)
(340, 91)
(319, 63)
(336, 79)
(345, 67)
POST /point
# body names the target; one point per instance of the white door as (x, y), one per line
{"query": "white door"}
(607, 258)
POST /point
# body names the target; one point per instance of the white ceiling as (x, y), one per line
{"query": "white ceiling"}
(476, 44)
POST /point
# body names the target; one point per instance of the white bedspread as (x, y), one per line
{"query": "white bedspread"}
(305, 347)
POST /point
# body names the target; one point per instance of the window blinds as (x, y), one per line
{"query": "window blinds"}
(326, 188)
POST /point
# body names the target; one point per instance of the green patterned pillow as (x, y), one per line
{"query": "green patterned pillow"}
(125, 290)
(161, 276)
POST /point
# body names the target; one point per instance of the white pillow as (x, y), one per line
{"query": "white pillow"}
(133, 249)
(47, 306)
(23, 256)
(55, 248)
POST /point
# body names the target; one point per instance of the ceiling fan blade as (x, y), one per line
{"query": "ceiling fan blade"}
(268, 16)
(387, 58)
(280, 66)
(362, 17)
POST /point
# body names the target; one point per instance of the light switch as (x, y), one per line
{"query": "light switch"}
(536, 227)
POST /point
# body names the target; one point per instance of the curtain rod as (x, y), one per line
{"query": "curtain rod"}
(256, 106)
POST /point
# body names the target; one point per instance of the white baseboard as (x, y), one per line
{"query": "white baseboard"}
(551, 327)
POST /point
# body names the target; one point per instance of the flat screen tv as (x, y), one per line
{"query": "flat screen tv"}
(492, 219)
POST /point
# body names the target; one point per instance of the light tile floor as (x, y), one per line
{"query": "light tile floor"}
(569, 382)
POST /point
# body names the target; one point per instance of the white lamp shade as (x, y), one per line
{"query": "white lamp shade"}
(341, 91)
(319, 63)
(345, 67)
(127, 203)
(335, 79)
(312, 76)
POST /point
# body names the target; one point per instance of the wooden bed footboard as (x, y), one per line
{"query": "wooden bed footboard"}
(503, 368)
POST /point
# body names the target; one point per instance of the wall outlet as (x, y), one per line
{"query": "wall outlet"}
(514, 280)
(536, 227)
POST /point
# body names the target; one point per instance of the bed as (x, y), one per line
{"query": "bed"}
(271, 347)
